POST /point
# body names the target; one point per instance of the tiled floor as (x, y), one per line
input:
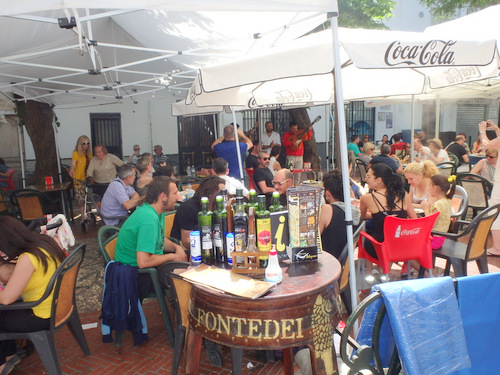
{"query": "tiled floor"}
(155, 356)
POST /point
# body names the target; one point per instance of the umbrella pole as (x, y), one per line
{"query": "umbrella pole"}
(327, 135)
(412, 132)
(20, 135)
(438, 117)
(238, 151)
(339, 102)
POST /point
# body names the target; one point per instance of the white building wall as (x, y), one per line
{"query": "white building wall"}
(146, 123)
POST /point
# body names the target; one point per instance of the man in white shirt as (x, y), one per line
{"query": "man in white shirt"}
(220, 168)
(270, 138)
(420, 152)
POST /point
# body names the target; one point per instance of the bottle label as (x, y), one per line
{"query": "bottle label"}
(264, 234)
(206, 237)
(217, 235)
(195, 246)
(230, 247)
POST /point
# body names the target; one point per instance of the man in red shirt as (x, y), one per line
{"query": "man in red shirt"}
(399, 148)
(293, 141)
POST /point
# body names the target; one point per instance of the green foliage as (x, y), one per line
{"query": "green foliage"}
(445, 9)
(366, 14)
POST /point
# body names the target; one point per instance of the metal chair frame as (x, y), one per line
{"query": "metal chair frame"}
(458, 254)
(478, 190)
(63, 311)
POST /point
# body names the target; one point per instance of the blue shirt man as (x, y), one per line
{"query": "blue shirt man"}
(225, 147)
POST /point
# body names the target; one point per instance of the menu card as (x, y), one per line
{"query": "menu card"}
(226, 281)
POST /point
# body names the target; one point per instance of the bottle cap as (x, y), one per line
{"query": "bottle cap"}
(218, 198)
(261, 198)
(273, 252)
(276, 193)
(252, 191)
(204, 200)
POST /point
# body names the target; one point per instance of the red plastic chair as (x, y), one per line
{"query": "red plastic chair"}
(251, 184)
(404, 240)
(10, 180)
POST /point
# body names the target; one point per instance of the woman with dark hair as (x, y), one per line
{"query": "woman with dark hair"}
(332, 215)
(388, 198)
(37, 257)
(186, 218)
(144, 165)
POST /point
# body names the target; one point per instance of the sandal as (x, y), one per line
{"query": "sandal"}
(10, 364)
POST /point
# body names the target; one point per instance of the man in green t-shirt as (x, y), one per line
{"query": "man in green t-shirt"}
(141, 240)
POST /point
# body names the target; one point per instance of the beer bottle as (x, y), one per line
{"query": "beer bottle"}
(263, 219)
(276, 205)
(205, 224)
(220, 229)
(240, 230)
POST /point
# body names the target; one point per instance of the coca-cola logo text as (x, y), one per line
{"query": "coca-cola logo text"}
(409, 232)
(434, 52)
(463, 74)
(289, 96)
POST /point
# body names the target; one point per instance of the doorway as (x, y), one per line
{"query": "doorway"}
(196, 135)
(106, 129)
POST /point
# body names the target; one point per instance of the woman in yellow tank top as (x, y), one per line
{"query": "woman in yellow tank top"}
(79, 163)
(36, 259)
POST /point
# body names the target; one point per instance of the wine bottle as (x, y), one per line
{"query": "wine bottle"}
(220, 229)
(240, 230)
(276, 206)
(263, 219)
(252, 201)
(205, 224)
(239, 194)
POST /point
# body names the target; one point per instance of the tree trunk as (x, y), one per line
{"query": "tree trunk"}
(301, 117)
(37, 117)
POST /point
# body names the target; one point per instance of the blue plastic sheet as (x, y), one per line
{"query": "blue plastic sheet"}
(425, 321)
(479, 303)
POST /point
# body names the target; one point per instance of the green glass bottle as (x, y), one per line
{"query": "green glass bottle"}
(276, 204)
(253, 200)
(240, 230)
(239, 194)
(220, 229)
(263, 219)
(205, 224)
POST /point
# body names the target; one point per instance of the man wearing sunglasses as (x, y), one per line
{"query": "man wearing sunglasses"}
(263, 177)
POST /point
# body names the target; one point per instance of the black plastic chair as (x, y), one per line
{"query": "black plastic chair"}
(457, 254)
(189, 180)
(30, 204)
(63, 311)
(478, 190)
(447, 168)
(363, 169)
(344, 285)
(367, 357)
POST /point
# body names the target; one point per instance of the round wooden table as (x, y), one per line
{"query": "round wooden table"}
(302, 310)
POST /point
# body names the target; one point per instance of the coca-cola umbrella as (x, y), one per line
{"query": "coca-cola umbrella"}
(374, 64)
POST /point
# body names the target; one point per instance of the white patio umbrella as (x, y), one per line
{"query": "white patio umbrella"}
(308, 71)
